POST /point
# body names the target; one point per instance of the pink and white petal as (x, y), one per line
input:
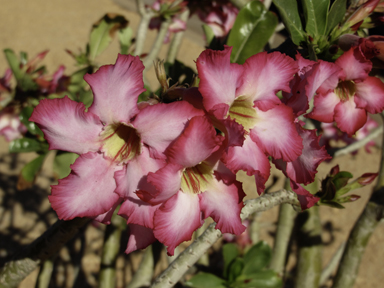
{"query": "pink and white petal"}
(370, 95)
(67, 126)
(322, 78)
(138, 212)
(196, 143)
(266, 74)
(306, 199)
(160, 124)
(88, 191)
(275, 133)
(107, 216)
(355, 66)
(224, 203)
(348, 117)
(167, 181)
(234, 132)
(133, 176)
(303, 169)
(219, 78)
(324, 107)
(177, 219)
(249, 158)
(139, 238)
(116, 89)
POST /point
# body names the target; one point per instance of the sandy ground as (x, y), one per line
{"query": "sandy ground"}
(34, 26)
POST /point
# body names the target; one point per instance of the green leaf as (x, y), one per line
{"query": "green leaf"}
(206, 280)
(14, 64)
(27, 145)
(230, 252)
(235, 269)
(62, 162)
(316, 16)
(336, 14)
(103, 32)
(29, 172)
(290, 15)
(261, 279)
(125, 38)
(31, 126)
(341, 179)
(332, 204)
(253, 27)
(24, 81)
(257, 258)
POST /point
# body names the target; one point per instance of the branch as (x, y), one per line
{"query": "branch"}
(176, 41)
(148, 61)
(146, 16)
(143, 275)
(39, 250)
(190, 255)
(333, 263)
(358, 144)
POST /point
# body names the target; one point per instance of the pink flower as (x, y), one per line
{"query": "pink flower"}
(112, 133)
(10, 125)
(346, 97)
(219, 16)
(246, 94)
(194, 185)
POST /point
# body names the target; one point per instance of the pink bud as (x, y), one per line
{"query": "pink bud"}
(334, 170)
(367, 178)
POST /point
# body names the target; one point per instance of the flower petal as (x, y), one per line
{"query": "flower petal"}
(355, 66)
(348, 117)
(139, 238)
(264, 75)
(275, 133)
(177, 219)
(160, 124)
(370, 95)
(116, 89)
(324, 107)
(67, 126)
(107, 216)
(219, 78)
(167, 181)
(197, 142)
(251, 159)
(306, 199)
(303, 169)
(224, 204)
(138, 212)
(88, 190)
(133, 176)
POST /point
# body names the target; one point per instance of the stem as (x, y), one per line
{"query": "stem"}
(358, 144)
(189, 256)
(361, 232)
(283, 233)
(309, 259)
(38, 251)
(176, 41)
(204, 259)
(310, 245)
(45, 274)
(333, 263)
(111, 248)
(143, 275)
(143, 26)
(254, 228)
(148, 61)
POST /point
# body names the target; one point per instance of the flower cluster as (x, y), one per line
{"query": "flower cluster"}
(170, 166)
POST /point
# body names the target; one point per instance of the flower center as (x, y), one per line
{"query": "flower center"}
(120, 142)
(243, 112)
(196, 179)
(345, 89)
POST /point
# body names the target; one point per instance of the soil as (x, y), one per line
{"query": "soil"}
(34, 26)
